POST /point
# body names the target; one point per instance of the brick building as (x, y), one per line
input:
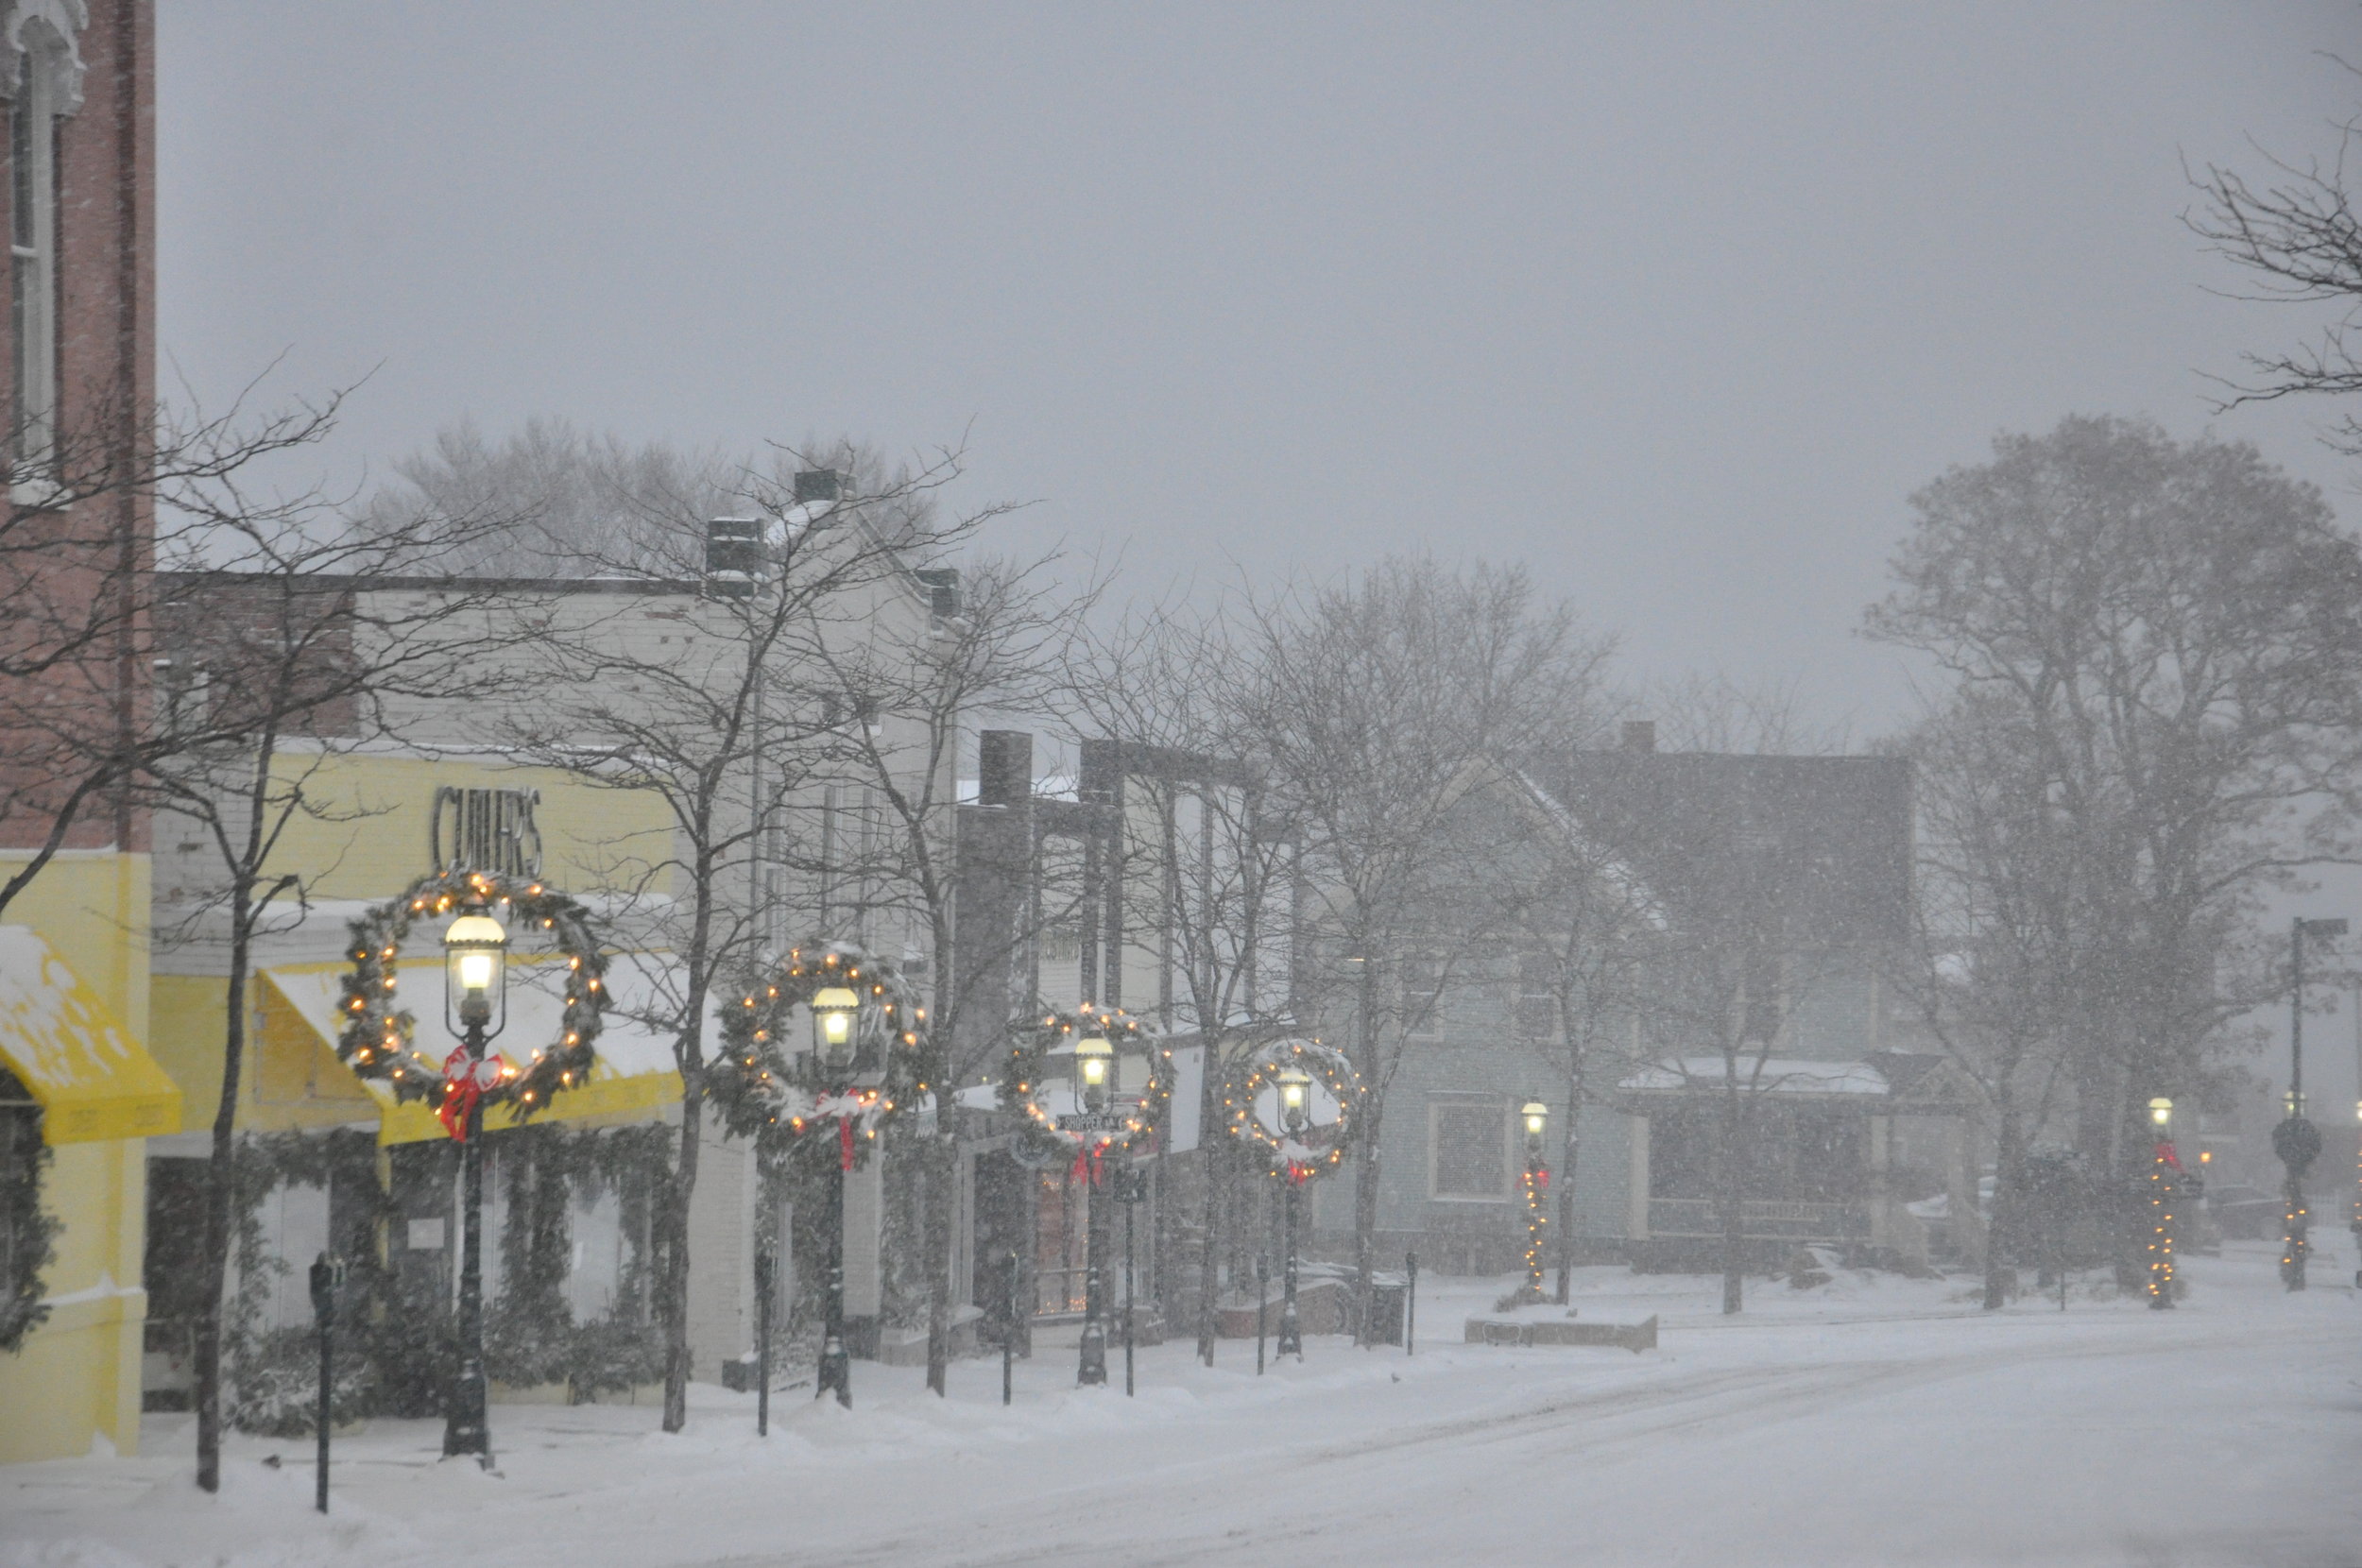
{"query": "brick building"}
(77, 369)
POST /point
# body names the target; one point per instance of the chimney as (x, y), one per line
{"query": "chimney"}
(1640, 735)
(734, 553)
(1005, 767)
(943, 586)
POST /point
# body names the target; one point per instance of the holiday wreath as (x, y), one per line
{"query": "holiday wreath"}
(770, 1085)
(1318, 1145)
(377, 1038)
(1046, 1134)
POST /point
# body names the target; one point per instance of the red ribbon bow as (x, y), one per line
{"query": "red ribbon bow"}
(465, 1079)
(2166, 1153)
(1298, 1174)
(1090, 1164)
(845, 1143)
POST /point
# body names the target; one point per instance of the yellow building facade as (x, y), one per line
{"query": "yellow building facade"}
(73, 1019)
(120, 1044)
(372, 834)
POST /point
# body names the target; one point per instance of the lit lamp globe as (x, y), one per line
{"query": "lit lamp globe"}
(475, 963)
(2160, 1110)
(833, 1010)
(1295, 1096)
(1094, 1065)
(1537, 1118)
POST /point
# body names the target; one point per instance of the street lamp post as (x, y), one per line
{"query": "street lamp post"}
(2355, 1223)
(475, 956)
(2296, 1141)
(1295, 1114)
(1094, 1060)
(2162, 1193)
(1537, 1118)
(2353, 1218)
(832, 1013)
(1131, 1191)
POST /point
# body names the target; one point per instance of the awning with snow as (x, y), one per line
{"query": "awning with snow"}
(92, 1080)
(634, 1073)
(1900, 1082)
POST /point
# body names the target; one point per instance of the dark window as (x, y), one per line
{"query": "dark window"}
(1471, 1148)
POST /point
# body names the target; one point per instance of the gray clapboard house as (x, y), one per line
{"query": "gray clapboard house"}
(1769, 896)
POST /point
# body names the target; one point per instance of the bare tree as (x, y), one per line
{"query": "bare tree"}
(76, 548)
(2171, 635)
(1721, 713)
(1207, 864)
(721, 706)
(994, 640)
(2300, 241)
(276, 660)
(1385, 704)
(1996, 959)
(1585, 938)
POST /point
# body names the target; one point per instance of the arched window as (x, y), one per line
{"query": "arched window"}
(43, 73)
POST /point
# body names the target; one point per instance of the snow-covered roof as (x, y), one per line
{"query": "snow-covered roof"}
(1775, 1075)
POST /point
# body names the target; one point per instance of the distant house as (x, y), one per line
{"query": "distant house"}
(1779, 891)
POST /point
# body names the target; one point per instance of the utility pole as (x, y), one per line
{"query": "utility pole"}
(2296, 1141)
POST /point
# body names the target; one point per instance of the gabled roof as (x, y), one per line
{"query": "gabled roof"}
(1831, 835)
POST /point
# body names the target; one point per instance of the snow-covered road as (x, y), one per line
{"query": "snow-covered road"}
(1871, 1422)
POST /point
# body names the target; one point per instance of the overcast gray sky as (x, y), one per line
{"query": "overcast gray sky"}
(1676, 304)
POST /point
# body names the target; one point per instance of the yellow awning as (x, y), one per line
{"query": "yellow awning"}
(92, 1080)
(633, 1077)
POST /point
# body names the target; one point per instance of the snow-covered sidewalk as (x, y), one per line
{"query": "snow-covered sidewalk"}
(1870, 1421)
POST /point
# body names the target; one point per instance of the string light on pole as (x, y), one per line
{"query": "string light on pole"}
(2165, 1172)
(1535, 1182)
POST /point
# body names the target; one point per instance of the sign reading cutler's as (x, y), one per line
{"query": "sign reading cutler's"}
(484, 831)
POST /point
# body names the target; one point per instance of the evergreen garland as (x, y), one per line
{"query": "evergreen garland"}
(376, 1039)
(1322, 1145)
(28, 1233)
(531, 1335)
(770, 1086)
(1041, 1139)
(397, 1339)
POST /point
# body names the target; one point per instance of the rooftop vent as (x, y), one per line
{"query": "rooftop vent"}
(819, 487)
(734, 553)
